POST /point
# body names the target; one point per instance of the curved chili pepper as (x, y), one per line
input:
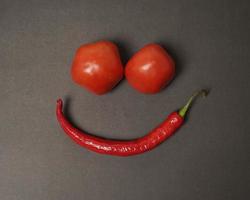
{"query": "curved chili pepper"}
(126, 147)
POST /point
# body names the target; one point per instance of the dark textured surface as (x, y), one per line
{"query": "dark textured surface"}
(207, 159)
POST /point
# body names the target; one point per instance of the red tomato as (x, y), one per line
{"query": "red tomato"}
(150, 69)
(97, 67)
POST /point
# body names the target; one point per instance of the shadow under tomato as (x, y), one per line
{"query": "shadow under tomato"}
(124, 50)
(125, 54)
(178, 56)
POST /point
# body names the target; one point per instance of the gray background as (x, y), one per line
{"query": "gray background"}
(209, 156)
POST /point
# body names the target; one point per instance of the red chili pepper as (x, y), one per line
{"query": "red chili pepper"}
(126, 147)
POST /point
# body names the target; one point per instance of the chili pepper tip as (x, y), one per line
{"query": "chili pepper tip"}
(59, 102)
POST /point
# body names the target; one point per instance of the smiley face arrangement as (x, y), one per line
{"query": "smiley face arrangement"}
(98, 68)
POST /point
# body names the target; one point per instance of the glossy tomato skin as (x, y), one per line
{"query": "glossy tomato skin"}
(97, 67)
(150, 69)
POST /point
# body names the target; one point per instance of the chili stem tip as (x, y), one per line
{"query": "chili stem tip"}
(185, 108)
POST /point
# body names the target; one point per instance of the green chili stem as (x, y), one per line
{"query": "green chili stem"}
(182, 112)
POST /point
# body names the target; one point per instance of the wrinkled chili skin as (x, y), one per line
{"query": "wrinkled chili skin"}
(120, 147)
